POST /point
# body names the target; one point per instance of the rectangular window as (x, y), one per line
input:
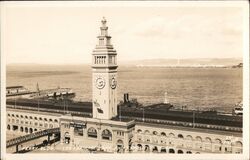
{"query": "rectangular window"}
(104, 59)
(78, 131)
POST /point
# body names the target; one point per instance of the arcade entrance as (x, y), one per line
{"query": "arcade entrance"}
(120, 146)
(67, 138)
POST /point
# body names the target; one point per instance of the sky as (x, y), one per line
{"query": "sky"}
(68, 35)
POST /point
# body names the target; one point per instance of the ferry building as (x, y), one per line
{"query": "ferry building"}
(105, 130)
(101, 131)
(109, 133)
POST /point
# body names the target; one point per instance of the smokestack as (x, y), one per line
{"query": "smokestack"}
(126, 98)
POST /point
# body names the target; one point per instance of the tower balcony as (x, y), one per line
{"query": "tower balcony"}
(100, 66)
(108, 49)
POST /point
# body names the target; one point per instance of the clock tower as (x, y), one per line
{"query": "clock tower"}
(104, 76)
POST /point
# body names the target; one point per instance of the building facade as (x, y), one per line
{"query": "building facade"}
(176, 139)
(107, 132)
(25, 122)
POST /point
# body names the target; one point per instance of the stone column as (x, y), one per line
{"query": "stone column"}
(203, 144)
(222, 148)
(126, 141)
(72, 138)
(99, 135)
(212, 148)
(114, 139)
(61, 135)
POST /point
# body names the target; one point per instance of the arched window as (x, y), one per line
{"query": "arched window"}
(155, 133)
(180, 152)
(238, 144)
(120, 145)
(217, 145)
(92, 132)
(163, 149)
(208, 140)
(198, 138)
(26, 117)
(31, 117)
(106, 134)
(180, 140)
(139, 131)
(238, 147)
(139, 147)
(208, 144)
(171, 135)
(171, 150)
(31, 130)
(189, 141)
(35, 118)
(40, 118)
(45, 119)
(147, 148)
(56, 120)
(50, 120)
(147, 132)
(180, 136)
(8, 115)
(218, 141)
(163, 134)
(171, 138)
(26, 130)
(189, 138)
(198, 143)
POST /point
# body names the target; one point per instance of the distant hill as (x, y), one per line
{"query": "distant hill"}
(220, 62)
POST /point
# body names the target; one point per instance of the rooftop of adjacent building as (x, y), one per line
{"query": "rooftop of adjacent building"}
(161, 114)
(14, 87)
(114, 121)
(209, 131)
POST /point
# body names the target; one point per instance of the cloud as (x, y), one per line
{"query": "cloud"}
(185, 26)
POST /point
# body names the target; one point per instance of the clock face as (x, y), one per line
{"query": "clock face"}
(113, 83)
(100, 82)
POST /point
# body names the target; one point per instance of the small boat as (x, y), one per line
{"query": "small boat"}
(13, 92)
